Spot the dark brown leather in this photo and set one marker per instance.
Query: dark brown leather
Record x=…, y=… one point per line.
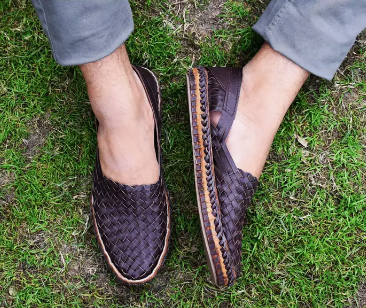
x=133, y=223
x=235, y=187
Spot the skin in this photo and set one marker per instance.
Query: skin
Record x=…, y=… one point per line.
x=270, y=84
x=126, y=124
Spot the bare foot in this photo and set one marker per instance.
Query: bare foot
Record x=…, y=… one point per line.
x=126, y=123
x=270, y=84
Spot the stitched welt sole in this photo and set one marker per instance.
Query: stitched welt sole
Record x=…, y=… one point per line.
x=207, y=199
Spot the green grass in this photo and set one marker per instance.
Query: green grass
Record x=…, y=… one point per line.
x=305, y=245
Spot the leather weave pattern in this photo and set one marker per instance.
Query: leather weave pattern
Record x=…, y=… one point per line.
x=235, y=194
x=235, y=187
x=132, y=222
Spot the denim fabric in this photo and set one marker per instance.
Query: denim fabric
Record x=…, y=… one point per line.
x=83, y=31
x=315, y=34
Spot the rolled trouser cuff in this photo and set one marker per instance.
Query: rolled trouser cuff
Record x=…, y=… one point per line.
x=316, y=35
x=84, y=31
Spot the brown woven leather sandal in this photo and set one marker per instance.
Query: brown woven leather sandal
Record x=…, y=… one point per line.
x=223, y=191
x=133, y=223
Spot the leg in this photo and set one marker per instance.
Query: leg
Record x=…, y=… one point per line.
x=303, y=37
x=131, y=218
x=121, y=106
x=93, y=40
x=247, y=107
x=270, y=84
x=84, y=31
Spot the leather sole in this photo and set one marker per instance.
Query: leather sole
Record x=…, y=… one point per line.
x=207, y=198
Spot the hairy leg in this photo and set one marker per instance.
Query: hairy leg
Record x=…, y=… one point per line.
x=126, y=124
x=270, y=84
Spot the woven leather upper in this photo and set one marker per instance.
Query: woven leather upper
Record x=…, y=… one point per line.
x=133, y=222
x=235, y=187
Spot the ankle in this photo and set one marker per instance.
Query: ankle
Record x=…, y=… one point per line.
x=122, y=107
x=266, y=95
x=271, y=73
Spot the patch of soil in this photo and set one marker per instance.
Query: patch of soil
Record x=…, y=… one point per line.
x=361, y=296
x=195, y=23
x=8, y=198
x=87, y=264
x=205, y=21
x=38, y=131
x=360, y=301
x=6, y=178
x=353, y=56
x=350, y=97
x=37, y=240
x=85, y=268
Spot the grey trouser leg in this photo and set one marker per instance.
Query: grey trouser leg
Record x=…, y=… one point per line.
x=315, y=34
x=82, y=31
